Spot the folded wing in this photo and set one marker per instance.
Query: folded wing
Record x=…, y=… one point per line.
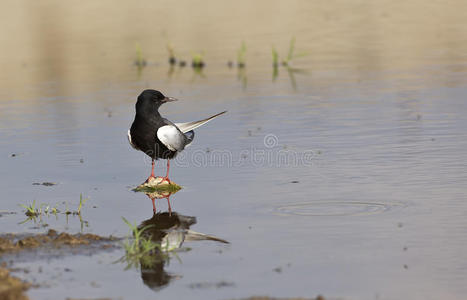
x=172, y=138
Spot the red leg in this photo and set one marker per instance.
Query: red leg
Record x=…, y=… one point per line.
x=152, y=172
x=154, y=205
x=168, y=168
x=170, y=208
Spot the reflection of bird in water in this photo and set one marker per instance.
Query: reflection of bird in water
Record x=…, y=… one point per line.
x=159, y=195
x=171, y=230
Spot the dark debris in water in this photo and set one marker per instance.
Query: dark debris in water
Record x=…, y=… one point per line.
x=277, y=270
x=90, y=298
x=319, y=297
x=3, y=213
x=210, y=285
x=45, y=183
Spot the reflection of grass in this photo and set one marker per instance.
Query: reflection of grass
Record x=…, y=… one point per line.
x=140, y=249
x=241, y=75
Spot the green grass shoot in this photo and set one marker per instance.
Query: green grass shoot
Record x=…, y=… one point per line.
x=140, y=61
x=197, y=60
x=31, y=209
x=275, y=57
x=241, y=53
x=82, y=201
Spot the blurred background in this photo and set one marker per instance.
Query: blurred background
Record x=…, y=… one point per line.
x=374, y=90
x=83, y=45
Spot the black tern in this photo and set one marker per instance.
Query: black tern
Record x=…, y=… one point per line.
x=157, y=136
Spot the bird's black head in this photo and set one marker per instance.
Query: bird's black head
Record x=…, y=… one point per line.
x=150, y=100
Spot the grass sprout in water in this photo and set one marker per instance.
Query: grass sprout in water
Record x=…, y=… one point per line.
x=291, y=55
x=197, y=61
x=241, y=53
x=140, y=250
x=31, y=209
x=33, y=212
x=287, y=63
x=139, y=61
x=82, y=201
x=172, y=58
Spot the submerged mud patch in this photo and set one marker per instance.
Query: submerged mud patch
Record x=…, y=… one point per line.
x=12, y=288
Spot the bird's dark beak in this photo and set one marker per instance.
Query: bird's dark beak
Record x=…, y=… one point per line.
x=169, y=99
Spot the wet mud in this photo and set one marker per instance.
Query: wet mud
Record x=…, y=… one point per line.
x=12, y=288
x=13, y=243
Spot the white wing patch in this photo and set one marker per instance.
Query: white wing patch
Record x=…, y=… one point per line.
x=171, y=137
x=129, y=140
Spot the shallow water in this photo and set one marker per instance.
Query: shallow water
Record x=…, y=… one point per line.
x=347, y=180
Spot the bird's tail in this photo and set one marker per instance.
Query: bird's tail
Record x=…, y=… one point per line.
x=197, y=236
x=185, y=127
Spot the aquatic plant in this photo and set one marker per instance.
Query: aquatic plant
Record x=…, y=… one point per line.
x=49, y=209
x=36, y=214
x=241, y=63
x=31, y=209
x=291, y=54
x=172, y=58
x=287, y=63
x=82, y=201
x=275, y=57
x=67, y=211
x=291, y=51
x=139, y=249
x=140, y=61
x=197, y=61
x=46, y=209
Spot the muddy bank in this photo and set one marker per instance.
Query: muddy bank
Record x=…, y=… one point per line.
x=12, y=288
x=11, y=243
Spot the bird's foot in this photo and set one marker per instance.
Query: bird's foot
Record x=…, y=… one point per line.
x=150, y=178
x=166, y=179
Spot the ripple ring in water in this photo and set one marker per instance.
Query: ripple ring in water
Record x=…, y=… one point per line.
x=333, y=208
